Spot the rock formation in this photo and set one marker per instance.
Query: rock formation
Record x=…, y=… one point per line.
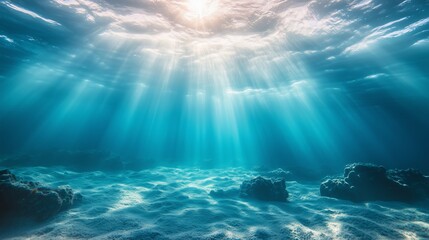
x=31, y=199
x=367, y=182
x=264, y=189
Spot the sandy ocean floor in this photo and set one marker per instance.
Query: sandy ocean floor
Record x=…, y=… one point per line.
x=172, y=203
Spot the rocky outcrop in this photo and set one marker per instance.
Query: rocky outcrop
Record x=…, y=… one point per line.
x=30, y=199
x=264, y=189
x=367, y=182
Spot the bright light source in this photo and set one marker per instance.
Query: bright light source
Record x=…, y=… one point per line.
x=201, y=8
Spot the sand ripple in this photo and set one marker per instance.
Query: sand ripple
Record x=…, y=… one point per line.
x=171, y=203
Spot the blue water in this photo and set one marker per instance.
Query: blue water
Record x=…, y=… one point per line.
x=144, y=107
x=305, y=85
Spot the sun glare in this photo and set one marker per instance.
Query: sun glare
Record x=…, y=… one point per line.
x=201, y=8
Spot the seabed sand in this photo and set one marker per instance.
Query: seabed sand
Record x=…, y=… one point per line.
x=173, y=203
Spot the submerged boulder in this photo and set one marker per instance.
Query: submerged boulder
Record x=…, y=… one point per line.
x=367, y=182
x=31, y=199
x=264, y=189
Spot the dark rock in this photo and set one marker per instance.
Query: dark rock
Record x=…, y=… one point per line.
x=30, y=199
x=264, y=189
x=367, y=182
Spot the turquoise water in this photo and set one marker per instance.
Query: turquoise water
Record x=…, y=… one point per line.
x=154, y=112
x=310, y=85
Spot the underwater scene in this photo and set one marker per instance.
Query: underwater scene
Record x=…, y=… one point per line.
x=214, y=119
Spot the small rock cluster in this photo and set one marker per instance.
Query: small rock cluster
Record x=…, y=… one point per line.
x=367, y=182
x=264, y=189
x=360, y=183
x=30, y=199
